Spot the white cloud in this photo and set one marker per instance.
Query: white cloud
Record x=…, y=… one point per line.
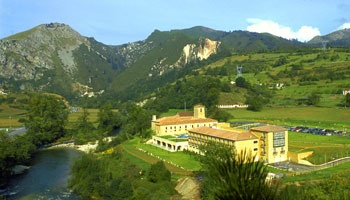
x=305, y=33
x=344, y=26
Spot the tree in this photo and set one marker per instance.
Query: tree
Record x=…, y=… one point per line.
x=83, y=123
x=347, y=100
x=314, y=99
x=222, y=116
x=137, y=119
x=231, y=175
x=240, y=82
x=46, y=119
x=158, y=173
x=107, y=119
x=255, y=102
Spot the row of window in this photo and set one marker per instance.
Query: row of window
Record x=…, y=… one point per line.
x=278, y=139
x=209, y=138
x=275, y=150
x=214, y=138
x=196, y=143
x=187, y=126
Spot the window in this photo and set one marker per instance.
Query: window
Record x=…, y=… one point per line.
x=166, y=128
x=185, y=126
x=255, y=149
x=278, y=139
x=255, y=141
x=171, y=127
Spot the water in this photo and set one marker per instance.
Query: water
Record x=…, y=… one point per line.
x=47, y=178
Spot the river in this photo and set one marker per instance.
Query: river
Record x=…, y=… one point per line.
x=47, y=178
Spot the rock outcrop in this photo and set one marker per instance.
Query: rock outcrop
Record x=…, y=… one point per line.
x=190, y=52
x=202, y=51
x=27, y=55
x=188, y=188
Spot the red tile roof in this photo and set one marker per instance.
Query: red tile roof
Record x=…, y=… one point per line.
x=174, y=120
x=186, y=114
x=225, y=134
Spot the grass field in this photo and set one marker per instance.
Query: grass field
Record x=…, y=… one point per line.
x=342, y=170
x=325, y=148
x=9, y=116
x=73, y=117
x=172, y=112
x=187, y=161
x=333, y=118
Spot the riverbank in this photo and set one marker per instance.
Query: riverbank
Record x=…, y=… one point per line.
x=86, y=148
x=46, y=178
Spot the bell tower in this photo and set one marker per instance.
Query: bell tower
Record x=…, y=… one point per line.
x=199, y=111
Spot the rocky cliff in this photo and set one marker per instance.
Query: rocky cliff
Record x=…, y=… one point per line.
x=27, y=55
x=202, y=51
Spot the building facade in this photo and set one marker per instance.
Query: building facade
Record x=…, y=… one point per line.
x=238, y=139
x=273, y=142
x=181, y=122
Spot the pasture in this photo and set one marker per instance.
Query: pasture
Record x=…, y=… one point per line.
x=318, y=117
x=325, y=148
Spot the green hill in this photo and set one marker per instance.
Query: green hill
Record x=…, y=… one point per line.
x=340, y=38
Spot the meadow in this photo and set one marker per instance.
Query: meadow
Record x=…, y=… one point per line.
x=9, y=116
x=318, y=117
x=341, y=170
x=325, y=148
x=182, y=159
x=73, y=117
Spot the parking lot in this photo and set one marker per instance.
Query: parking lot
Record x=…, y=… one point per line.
x=317, y=131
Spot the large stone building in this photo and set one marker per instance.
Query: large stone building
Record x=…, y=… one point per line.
x=268, y=143
x=238, y=139
x=182, y=122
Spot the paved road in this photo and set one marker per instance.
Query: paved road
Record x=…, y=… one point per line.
x=19, y=131
x=292, y=166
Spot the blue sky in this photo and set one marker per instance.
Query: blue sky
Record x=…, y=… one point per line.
x=122, y=21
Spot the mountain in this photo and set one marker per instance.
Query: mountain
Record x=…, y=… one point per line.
x=55, y=58
x=340, y=38
x=170, y=50
x=243, y=40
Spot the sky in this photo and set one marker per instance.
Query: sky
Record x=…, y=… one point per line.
x=121, y=21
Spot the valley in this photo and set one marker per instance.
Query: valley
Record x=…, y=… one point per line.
x=86, y=91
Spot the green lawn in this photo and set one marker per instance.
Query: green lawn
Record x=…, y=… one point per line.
x=325, y=148
x=137, y=161
x=342, y=170
x=9, y=115
x=185, y=160
x=172, y=112
x=333, y=118
x=167, y=136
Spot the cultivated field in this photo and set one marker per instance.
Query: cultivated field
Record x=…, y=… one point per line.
x=9, y=116
x=331, y=118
